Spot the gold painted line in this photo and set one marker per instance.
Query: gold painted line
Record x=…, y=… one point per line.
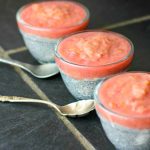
x=83, y=141
x=112, y=26
x=2, y=52
x=127, y=22
x=26, y=78
x=31, y=83
x=86, y=144
x=16, y=50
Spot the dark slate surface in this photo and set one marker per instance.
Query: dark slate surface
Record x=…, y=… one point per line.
x=140, y=36
x=103, y=12
x=90, y=126
x=25, y=127
x=29, y=126
x=35, y=126
x=12, y=84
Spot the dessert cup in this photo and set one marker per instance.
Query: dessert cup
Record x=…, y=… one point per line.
x=81, y=79
x=41, y=41
x=126, y=132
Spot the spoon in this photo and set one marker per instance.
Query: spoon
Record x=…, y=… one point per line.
x=78, y=108
x=39, y=71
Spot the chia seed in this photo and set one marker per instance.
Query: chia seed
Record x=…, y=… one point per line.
x=42, y=49
x=125, y=138
x=80, y=89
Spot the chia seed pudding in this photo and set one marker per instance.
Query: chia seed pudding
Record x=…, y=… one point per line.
x=42, y=49
x=80, y=89
x=43, y=24
x=84, y=59
x=126, y=129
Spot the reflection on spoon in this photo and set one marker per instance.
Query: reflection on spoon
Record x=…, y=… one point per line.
x=78, y=108
x=39, y=71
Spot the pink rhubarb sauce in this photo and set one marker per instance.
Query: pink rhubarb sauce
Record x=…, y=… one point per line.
x=95, y=54
x=57, y=18
x=127, y=94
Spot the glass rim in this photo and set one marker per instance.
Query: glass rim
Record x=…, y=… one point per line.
x=20, y=20
x=131, y=52
x=99, y=103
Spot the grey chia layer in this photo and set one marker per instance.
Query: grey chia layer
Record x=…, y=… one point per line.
x=42, y=49
x=125, y=138
x=80, y=89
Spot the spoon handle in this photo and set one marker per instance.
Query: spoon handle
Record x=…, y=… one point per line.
x=15, y=99
x=16, y=63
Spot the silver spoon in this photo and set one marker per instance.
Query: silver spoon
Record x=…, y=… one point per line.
x=78, y=108
x=39, y=71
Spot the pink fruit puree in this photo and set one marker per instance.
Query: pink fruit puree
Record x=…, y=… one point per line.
x=127, y=94
x=102, y=52
x=63, y=15
x=94, y=48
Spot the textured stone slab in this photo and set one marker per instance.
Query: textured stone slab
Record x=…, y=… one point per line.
x=29, y=126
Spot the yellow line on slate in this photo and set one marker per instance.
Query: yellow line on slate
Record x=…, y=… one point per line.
x=84, y=142
x=16, y=50
x=127, y=22
x=111, y=26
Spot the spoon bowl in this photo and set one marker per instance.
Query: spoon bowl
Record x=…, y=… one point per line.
x=39, y=71
x=44, y=71
x=79, y=108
